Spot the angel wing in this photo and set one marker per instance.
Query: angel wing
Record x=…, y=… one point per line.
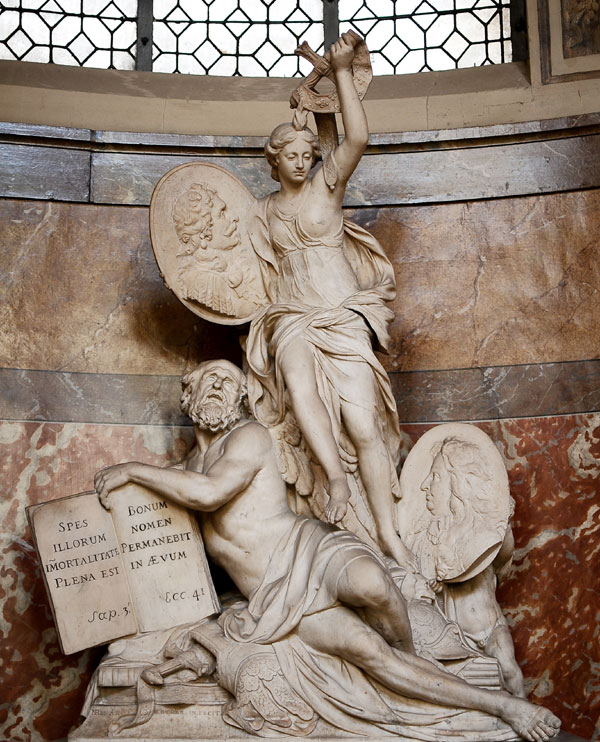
x=307, y=483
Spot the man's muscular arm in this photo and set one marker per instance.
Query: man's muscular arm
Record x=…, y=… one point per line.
x=241, y=460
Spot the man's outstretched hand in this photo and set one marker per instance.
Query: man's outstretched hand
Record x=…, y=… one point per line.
x=109, y=479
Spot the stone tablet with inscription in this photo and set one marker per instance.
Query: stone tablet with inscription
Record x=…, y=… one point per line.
x=139, y=567
x=83, y=571
x=163, y=557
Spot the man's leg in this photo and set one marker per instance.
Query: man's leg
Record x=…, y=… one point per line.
x=500, y=646
x=340, y=632
x=363, y=584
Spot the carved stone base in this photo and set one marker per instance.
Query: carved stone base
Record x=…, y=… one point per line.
x=173, y=723
x=200, y=722
x=185, y=711
x=203, y=723
x=182, y=711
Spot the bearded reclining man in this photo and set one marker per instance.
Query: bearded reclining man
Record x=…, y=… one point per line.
x=300, y=575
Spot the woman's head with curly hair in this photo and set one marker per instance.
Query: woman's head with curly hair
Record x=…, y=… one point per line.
x=283, y=135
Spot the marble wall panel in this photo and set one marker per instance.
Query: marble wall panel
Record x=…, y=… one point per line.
x=489, y=283
x=44, y=172
x=550, y=596
x=452, y=174
x=503, y=282
x=81, y=292
x=421, y=396
x=130, y=178
x=99, y=398
x=474, y=173
x=407, y=168
x=491, y=392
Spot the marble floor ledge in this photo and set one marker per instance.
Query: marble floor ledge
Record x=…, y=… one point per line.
x=469, y=394
x=238, y=737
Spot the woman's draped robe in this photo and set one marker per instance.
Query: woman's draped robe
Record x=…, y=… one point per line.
x=339, y=325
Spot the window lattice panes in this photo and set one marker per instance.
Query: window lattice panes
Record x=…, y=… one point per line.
x=235, y=37
x=419, y=35
x=258, y=37
x=88, y=33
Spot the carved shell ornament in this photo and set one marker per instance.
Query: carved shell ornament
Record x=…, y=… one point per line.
x=199, y=217
x=455, y=502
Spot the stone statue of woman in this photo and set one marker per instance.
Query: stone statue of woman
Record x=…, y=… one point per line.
x=328, y=282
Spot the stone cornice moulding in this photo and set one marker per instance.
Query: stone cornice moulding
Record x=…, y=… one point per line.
x=148, y=142
x=133, y=101
x=112, y=167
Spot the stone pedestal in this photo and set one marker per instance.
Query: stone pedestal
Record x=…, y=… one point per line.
x=172, y=722
x=203, y=723
x=192, y=711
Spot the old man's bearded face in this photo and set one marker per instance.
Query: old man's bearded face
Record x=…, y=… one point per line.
x=212, y=395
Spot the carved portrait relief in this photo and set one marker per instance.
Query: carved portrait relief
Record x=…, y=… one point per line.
x=198, y=223
x=455, y=502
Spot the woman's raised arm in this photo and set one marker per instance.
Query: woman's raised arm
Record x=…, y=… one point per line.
x=356, y=132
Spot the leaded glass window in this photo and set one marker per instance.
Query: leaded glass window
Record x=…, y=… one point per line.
x=258, y=37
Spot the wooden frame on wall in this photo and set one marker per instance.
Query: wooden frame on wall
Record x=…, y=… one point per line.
x=569, y=40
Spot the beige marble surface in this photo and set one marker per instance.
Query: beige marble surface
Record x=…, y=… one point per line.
x=82, y=292
x=499, y=282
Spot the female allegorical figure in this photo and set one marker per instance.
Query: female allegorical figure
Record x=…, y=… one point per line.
x=328, y=281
